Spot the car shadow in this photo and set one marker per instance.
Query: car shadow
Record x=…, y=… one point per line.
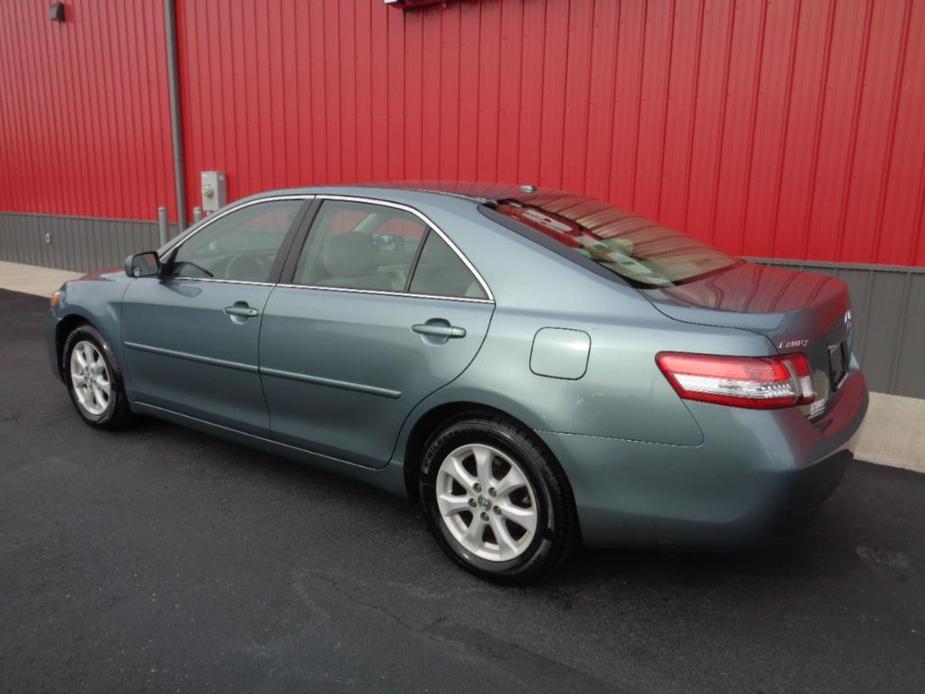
x=827, y=547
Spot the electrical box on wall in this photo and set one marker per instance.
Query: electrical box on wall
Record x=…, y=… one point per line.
x=56, y=12
x=214, y=192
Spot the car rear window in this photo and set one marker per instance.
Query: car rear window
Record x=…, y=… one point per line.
x=637, y=249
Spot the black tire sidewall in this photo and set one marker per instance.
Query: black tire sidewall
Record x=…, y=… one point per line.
x=547, y=542
x=87, y=333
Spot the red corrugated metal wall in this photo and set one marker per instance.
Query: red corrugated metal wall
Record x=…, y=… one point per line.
x=785, y=128
x=84, y=125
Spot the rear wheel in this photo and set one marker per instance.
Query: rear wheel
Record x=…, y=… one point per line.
x=496, y=500
x=94, y=379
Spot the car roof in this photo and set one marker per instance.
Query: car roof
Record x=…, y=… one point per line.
x=477, y=192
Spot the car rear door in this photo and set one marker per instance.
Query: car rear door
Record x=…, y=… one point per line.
x=191, y=336
x=379, y=311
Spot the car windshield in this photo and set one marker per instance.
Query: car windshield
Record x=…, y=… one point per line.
x=637, y=249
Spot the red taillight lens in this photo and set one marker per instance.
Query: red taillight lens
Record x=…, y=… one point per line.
x=755, y=382
x=803, y=373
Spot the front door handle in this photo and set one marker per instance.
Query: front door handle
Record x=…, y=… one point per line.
x=241, y=310
x=439, y=329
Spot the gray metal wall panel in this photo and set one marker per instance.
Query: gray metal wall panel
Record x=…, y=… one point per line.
x=881, y=328
x=77, y=243
x=910, y=378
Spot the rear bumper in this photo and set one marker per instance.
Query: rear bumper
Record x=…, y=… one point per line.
x=754, y=470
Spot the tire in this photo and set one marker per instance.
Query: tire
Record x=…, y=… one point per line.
x=489, y=532
x=95, y=389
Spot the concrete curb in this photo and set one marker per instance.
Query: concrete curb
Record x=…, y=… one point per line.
x=31, y=279
x=893, y=433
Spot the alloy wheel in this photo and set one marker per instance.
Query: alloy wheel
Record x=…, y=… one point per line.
x=486, y=502
x=90, y=378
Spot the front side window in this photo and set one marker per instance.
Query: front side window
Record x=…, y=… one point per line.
x=637, y=249
x=240, y=246
x=354, y=245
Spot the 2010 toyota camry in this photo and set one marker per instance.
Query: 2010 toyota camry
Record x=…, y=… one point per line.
x=535, y=368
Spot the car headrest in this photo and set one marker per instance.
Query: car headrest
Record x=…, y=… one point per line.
x=350, y=254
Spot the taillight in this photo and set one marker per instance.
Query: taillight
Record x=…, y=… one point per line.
x=803, y=372
x=755, y=382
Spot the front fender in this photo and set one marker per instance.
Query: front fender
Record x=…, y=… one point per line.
x=96, y=300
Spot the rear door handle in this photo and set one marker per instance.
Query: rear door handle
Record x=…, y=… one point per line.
x=242, y=310
x=441, y=329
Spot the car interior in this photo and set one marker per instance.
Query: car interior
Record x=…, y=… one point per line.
x=356, y=246
x=351, y=246
x=241, y=247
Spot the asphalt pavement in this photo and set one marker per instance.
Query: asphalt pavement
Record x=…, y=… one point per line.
x=160, y=559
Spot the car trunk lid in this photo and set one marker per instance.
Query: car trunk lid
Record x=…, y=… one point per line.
x=797, y=311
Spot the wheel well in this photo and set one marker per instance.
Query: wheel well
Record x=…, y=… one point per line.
x=65, y=327
x=429, y=423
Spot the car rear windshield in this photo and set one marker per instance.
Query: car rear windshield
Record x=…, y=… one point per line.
x=637, y=249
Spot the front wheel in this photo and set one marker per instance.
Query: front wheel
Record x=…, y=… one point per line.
x=94, y=379
x=496, y=500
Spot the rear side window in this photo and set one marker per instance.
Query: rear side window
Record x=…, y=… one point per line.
x=637, y=249
x=440, y=272
x=355, y=245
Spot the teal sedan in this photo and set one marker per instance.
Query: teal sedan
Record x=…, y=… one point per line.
x=536, y=369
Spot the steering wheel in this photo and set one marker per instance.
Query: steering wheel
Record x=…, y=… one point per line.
x=249, y=267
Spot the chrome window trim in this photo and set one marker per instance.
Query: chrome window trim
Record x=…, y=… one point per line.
x=219, y=280
x=204, y=224
x=430, y=224
x=383, y=292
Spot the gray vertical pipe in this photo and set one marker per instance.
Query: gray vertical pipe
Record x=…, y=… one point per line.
x=173, y=84
x=162, y=225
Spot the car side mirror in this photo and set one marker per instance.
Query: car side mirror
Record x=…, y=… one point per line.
x=145, y=264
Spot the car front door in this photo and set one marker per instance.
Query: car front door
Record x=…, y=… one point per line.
x=380, y=311
x=191, y=336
